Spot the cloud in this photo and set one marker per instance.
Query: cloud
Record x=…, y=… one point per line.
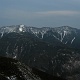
x=22, y=14
x=58, y=13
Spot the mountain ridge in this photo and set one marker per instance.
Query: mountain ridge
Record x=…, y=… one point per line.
x=63, y=34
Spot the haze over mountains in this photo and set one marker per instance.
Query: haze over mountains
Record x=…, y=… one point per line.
x=52, y=50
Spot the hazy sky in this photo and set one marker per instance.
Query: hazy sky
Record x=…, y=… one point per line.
x=40, y=13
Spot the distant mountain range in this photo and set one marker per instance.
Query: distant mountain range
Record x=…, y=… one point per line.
x=52, y=50
x=64, y=34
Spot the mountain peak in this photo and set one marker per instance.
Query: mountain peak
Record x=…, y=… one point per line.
x=65, y=29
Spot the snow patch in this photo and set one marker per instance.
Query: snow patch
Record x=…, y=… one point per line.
x=66, y=42
x=65, y=33
x=38, y=31
x=21, y=28
x=14, y=57
x=72, y=40
x=56, y=37
x=62, y=36
x=42, y=33
x=2, y=34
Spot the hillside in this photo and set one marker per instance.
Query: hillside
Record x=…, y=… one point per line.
x=52, y=50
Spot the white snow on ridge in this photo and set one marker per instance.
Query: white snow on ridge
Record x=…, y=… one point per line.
x=66, y=42
x=2, y=34
x=61, y=31
x=21, y=28
x=72, y=40
x=36, y=31
x=65, y=33
x=42, y=33
x=56, y=38
x=62, y=35
x=21, y=25
x=14, y=57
